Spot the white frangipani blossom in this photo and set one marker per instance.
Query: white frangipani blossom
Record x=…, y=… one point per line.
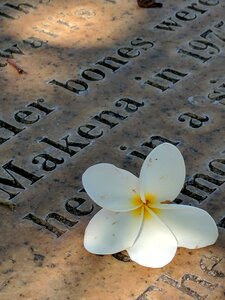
x=138, y=214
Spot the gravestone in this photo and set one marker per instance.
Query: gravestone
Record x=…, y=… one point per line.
x=84, y=82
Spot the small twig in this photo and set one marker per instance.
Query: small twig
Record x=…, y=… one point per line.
x=14, y=65
x=148, y=3
x=7, y=203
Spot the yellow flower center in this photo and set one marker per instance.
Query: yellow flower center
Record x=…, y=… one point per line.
x=149, y=205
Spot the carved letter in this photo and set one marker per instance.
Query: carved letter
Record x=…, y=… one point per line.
x=195, y=120
x=182, y=15
x=9, y=127
x=111, y=124
x=34, y=42
x=85, y=129
x=218, y=94
x=168, y=25
x=40, y=107
x=74, y=206
x=166, y=74
x=96, y=76
x=209, y=264
x=6, y=15
x=8, y=53
x=19, y=7
x=131, y=105
x=147, y=292
x=209, y=2
x=112, y=63
x=222, y=223
x=194, y=55
x=140, y=42
x=45, y=223
x=152, y=143
x=193, y=7
x=157, y=85
x=124, y=52
x=200, y=190
x=213, y=166
x=65, y=148
x=74, y=85
x=14, y=182
x=22, y=117
x=48, y=158
x=157, y=140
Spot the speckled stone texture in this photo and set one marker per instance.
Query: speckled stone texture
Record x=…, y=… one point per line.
x=105, y=81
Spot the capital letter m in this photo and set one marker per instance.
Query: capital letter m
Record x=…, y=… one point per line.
x=13, y=182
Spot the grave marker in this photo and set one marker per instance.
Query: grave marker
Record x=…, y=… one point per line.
x=105, y=81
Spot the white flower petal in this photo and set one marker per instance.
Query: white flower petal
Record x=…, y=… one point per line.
x=155, y=246
x=111, y=232
x=163, y=173
x=110, y=187
x=192, y=226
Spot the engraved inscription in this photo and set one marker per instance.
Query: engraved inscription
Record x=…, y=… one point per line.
x=19, y=48
x=187, y=14
x=11, y=11
x=84, y=134
x=182, y=286
x=213, y=266
x=201, y=185
x=88, y=108
x=165, y=79
x=33, y=113
x=58, y=224
x=205, y=47
x=108, y=63
x=146, y=295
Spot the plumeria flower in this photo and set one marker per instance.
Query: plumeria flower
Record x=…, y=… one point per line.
x=138, y=215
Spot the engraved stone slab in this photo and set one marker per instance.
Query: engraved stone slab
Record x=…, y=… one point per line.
x=84, y=82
